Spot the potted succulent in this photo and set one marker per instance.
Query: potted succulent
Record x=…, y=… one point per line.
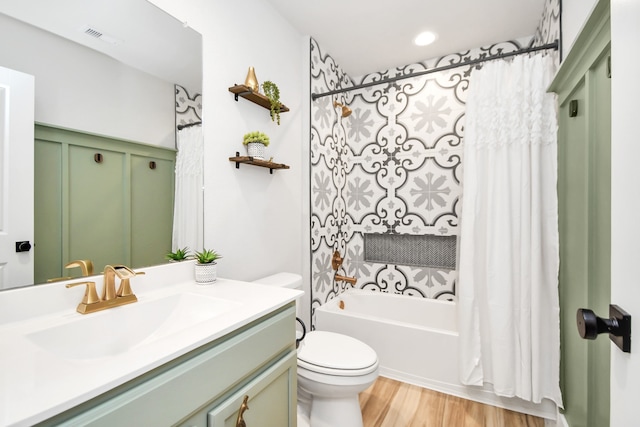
x=272, y=92
x=206, y=266
x=178, y=255
x=256, y=143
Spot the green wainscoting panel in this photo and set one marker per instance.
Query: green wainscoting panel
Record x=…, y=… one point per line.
x=97, y=199
x=584, y=195
x=98, y=228
x=47, y=211
x=152, y=193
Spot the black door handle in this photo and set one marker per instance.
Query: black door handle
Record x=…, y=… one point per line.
x=24, y=246
x=618, y=325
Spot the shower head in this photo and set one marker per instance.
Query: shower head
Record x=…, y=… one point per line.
x=346, y=111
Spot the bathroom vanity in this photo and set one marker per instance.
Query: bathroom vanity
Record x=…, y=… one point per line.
x=184, y=354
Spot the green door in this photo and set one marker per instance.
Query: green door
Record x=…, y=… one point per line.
x=584, y=192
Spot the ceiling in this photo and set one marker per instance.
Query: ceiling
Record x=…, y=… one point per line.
x=363, y=36
x=146, y=37
x=366, y=36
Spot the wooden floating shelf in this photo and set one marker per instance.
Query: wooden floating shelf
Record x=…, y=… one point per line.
x=248, y=160
x=256, y=98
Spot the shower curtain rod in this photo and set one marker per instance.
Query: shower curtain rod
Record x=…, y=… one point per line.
x=553, y=45
x=188, y=125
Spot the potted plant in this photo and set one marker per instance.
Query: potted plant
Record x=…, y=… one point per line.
x=256, y=143
x=272, y=92
x=178, y=255
x=206, y=266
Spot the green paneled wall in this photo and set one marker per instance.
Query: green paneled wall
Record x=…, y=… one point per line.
x=117, y=210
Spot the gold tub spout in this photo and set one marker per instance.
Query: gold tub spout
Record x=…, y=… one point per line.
x=351, y=280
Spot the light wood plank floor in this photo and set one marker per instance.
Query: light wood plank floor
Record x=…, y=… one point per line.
x=389, y=403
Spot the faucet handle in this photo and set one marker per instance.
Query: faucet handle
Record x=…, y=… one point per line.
x=125, y=286
x=90, y=294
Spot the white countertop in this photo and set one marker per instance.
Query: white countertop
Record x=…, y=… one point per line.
x=36, y=384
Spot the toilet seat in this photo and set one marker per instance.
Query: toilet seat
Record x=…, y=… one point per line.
x=336, y=354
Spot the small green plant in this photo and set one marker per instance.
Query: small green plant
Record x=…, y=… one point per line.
x=178, y=255
x=256, y=137
x=207, y=256
x=272, y=92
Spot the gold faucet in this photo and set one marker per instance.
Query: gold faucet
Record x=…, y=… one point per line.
x=351, y=280
x=336, y=263
x=86, y=268
x=110, y=297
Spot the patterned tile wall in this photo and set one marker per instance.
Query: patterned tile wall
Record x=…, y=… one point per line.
x=393, y=166
x=188, y=107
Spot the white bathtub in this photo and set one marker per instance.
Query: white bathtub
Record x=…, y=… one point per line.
x=416, y=340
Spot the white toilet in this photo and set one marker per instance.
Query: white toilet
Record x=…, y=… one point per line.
x=332, y=370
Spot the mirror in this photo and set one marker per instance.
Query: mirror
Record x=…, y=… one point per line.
x=133, y=57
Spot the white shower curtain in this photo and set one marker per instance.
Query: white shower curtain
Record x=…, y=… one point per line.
x=509, y=255
x=188, y=205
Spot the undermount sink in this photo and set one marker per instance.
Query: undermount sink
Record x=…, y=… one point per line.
x=119, y=329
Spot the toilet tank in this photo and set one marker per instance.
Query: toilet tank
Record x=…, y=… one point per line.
x=285, y=280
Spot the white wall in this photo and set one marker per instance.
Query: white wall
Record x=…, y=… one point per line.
x=252, y=218
x=625, y=204
x=574, y=15
x=78, y=88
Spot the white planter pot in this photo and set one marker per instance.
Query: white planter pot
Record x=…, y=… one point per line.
x=206, y=274
x=255, y=150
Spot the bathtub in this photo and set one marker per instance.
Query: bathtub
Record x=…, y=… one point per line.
x=416, y=340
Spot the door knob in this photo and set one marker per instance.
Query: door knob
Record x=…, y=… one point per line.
x=24, y=246
x=618, y=325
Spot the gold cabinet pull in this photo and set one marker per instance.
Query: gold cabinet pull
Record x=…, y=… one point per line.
x=240, y=420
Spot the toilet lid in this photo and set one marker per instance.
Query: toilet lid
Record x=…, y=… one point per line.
x=322, y=351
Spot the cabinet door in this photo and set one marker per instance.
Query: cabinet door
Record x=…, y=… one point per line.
x=271, y=399
x=151, y=209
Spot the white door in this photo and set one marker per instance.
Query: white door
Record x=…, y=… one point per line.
x=16, y=177
x=625, y=205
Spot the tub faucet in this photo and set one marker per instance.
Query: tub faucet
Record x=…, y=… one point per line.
x=351, y=280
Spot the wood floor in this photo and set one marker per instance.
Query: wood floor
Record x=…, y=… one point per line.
x=389, y=403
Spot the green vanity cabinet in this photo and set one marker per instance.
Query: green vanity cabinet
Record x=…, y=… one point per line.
x=268, y=400
x=98, y=198
x=206, y=386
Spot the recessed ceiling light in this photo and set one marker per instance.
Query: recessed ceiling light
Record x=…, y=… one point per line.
x=425, y=38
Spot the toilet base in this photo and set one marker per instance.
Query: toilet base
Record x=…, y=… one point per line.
x=341, y=412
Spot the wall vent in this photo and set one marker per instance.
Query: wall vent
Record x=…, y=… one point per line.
x=97, y=34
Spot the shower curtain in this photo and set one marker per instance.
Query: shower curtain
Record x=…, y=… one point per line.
x=188, y=205
x=509, y=251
